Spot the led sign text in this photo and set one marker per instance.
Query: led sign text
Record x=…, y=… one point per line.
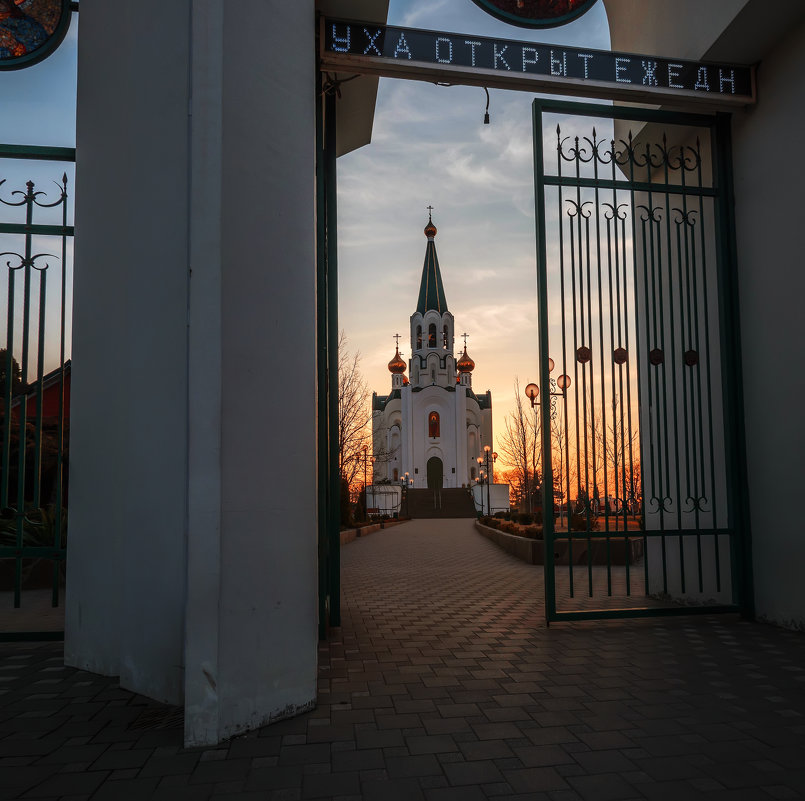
x=401, y=47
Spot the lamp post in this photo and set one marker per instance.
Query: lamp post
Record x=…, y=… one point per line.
x=532, y=392
x=488, y=452
x=365, y=450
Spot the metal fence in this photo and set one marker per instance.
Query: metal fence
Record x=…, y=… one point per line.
x=36, y=255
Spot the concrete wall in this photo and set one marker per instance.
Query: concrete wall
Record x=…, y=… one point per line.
x=769, y=180
x=195, y=296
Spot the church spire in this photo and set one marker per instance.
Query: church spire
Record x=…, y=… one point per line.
x=431, y=289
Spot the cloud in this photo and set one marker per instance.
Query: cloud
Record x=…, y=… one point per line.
x=430, y=147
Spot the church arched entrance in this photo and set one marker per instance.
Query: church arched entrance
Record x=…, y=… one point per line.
x=435, y=473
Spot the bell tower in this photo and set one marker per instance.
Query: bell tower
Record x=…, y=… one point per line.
x=432, y=361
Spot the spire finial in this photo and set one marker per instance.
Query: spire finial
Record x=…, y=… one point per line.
x=430, y=213
x=396, y=339
x=465, y=335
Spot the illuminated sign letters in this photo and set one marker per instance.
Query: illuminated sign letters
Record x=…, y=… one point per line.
x=424, y=55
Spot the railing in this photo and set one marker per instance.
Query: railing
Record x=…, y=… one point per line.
x=36, y=235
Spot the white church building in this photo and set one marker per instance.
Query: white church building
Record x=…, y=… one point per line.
x=431, y=428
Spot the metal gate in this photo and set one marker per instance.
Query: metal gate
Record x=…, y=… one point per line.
x=644, y=502
x=36, y=251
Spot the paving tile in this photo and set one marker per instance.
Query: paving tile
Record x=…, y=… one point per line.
x=220, y=771
x=431, y=744
x=530, y=780
x=413, y=766
x=60, y=784
x=473, y=773
x=327, y=785
x=443, y=683
x=455, y=794
x=392, y=790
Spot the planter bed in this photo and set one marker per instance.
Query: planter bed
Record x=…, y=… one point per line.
x=533, y=551
x=350, y=534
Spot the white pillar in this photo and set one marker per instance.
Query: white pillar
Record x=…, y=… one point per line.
x=192, y=551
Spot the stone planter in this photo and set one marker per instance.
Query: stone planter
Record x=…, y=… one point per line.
x=350, y=534
x=533, y=551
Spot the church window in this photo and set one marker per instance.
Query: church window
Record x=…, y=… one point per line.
x=419, y=337
x=433, y=424
x=396, y=474
x=433, y=374
x=444, y=338
x=432, y=335
x=472, y=473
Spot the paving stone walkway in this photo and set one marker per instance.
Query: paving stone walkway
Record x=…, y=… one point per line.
x=444, y=683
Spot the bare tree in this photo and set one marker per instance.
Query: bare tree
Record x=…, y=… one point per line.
x=519, y=448
x=353, y=414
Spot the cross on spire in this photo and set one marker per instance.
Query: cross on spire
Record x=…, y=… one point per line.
x=397, y=340
x=465, y=335
x=430, y=213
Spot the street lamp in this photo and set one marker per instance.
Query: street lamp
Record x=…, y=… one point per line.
x=532, y=392
x=365, y=450
x=488, y=452
x=563, y=383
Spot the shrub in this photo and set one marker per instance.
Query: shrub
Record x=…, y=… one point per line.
x=532, y=532
x=578, y=522
x=525, y=518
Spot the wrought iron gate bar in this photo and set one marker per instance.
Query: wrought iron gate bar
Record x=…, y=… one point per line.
x=604, y=183
x=641, y=308
x=37, y=230
x=639, y=535
x=37, y=153
x=32, y=515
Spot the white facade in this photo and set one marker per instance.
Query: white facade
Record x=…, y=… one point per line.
x=432, y=427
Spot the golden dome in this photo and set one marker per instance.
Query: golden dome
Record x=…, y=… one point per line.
x=465, y=364
x=430, y=230
x=397, y=365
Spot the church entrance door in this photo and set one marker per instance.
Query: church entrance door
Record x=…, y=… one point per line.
x=435, y=473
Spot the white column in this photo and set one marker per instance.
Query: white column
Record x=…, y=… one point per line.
x=192, y=552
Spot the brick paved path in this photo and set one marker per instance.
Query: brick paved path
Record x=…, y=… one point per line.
x=443, y=683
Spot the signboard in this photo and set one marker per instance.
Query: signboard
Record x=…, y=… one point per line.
x=363, y=48
x=536, y=13
x=30, y=30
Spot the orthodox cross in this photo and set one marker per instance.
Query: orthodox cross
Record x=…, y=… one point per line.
x=430, y=213
x=465, y=335
x=397, y=340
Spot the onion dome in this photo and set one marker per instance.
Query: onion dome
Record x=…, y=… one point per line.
x=465, y=364
x=430, y=229
x=397, y=365
x=405, y=381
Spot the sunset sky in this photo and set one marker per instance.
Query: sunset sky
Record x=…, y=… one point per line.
x=430, y=147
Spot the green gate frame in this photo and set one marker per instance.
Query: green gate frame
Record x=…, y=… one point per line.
x=729, y=330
